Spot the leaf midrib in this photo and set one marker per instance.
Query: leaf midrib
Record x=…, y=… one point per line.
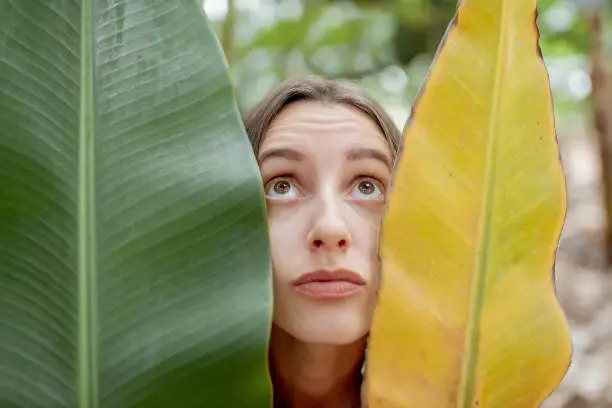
x=87, y=361
x=472, y=340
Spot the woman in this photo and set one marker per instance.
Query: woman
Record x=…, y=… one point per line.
x=326, y=153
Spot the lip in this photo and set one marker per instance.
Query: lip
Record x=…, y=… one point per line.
x=326, y=284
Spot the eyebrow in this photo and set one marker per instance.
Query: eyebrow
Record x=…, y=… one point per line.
x=358, y=153
x=284, y=153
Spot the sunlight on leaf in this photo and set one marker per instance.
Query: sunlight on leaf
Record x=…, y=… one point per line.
x=134, y=264
x=468, y=315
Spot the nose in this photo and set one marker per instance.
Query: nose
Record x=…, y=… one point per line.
x=329, y=230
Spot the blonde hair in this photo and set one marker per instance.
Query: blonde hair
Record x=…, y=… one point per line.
x=313, y=88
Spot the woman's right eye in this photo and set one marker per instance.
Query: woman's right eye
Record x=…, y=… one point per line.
x=281, y=188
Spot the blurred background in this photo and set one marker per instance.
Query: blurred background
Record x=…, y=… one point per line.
x=388, y=46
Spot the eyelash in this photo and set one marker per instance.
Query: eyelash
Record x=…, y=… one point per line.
x=370, y=178
x=279, y=176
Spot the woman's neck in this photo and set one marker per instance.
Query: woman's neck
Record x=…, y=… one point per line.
x=315, y=375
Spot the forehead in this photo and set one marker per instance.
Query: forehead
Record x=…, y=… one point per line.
x=308, y=122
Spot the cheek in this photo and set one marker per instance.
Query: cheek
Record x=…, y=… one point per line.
x=367, y=226
x=284, y=229
x=369, y=248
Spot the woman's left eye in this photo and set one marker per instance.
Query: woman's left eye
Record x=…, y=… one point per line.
x=367, y=189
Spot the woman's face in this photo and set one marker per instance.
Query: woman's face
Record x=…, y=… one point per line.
x=325, y=169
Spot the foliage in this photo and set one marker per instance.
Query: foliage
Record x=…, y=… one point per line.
x=134, y=268
x=361, y=39
x=467, y=315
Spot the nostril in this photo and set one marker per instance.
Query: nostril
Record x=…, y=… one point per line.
x=317, y=243
x=342, y=243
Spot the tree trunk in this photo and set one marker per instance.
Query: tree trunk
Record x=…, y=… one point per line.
x=602, y=117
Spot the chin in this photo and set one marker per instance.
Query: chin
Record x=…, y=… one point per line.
x=326, y=326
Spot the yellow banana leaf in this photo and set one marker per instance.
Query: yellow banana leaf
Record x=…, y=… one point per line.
x=468, y=315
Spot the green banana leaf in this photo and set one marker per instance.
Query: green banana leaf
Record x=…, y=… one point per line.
x=134, y=259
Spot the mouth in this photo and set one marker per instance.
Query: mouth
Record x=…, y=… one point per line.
x=326, y=284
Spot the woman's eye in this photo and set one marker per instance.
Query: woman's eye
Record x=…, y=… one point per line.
x=367, y=189
x=281, y=188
